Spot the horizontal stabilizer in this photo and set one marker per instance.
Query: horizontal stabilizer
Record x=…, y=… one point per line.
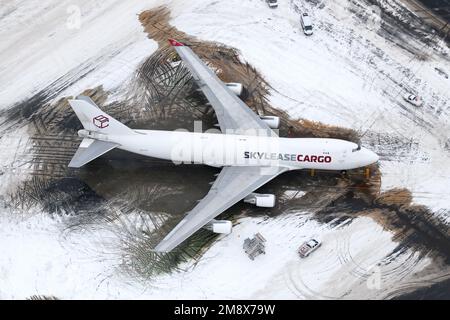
x=89, y=150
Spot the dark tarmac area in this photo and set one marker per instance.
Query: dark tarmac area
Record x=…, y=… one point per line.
x=439, y=7
x=438, y=291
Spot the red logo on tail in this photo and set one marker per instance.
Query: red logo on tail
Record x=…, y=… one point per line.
x=101, y=121
x=175, y=43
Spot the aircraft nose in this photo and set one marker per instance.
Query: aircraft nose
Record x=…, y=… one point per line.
x=371, y=156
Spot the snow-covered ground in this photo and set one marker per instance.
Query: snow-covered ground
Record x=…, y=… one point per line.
x=345, y=74
x=39, y=258
x=336, y=77
x=44, y=40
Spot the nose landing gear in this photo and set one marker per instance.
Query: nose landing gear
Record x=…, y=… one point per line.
x=367, y=173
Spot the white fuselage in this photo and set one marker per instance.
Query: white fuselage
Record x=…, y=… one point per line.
x=240, y=150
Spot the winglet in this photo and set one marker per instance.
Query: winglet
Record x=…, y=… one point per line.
x=175, y=43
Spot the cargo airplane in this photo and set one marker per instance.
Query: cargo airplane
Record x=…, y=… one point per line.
x=247, y=149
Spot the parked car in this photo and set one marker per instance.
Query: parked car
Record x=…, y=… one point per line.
x=306, y=22
x=272, y=3
x=308, y=247
x=413, y=99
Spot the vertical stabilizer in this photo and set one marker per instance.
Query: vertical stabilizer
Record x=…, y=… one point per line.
x=94, y=119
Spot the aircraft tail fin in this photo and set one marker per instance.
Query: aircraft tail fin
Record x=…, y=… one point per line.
x=89, y=150
x=94, y=119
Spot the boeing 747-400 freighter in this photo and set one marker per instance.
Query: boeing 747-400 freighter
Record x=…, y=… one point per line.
x=249, y=152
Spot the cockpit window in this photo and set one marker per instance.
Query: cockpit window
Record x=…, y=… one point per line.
x=357, y=149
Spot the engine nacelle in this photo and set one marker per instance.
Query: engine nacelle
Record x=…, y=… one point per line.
x=219, y=226
x=271, y=121
x=236, y=87
x=261, y=200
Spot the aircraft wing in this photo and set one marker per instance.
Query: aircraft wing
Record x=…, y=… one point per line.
x=231, y=112
x=232, y=185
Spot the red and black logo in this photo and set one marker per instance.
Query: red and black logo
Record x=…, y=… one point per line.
x=101, y=121
x=286, y=157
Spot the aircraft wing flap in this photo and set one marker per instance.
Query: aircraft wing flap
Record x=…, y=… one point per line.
x=232, y=185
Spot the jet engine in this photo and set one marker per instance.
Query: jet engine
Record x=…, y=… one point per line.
x=261, y=200
x=219, y=226
x=271, y=121
x=235, y=87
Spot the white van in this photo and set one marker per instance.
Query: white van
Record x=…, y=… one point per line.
x=305, y=20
